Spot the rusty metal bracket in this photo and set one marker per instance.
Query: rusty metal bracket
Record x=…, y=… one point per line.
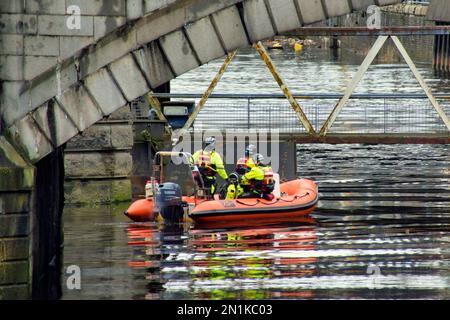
x=156, y=105
x=206, y=95
x=288, y=94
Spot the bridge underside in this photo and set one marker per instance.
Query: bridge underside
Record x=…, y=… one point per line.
x=141, y=56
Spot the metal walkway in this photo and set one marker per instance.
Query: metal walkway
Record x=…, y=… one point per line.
x=368, y=118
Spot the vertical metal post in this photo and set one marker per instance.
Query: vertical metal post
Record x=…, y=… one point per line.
x=446, y=53
x=436, y=39
x=438, y=52
x=421, y=81
x=298, y=110
x=355, y=81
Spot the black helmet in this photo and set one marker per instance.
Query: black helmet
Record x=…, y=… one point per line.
x=209, y=143
x=250, y=150
x=258, y=158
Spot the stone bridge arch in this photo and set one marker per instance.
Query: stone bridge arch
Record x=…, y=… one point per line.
x=146, y=52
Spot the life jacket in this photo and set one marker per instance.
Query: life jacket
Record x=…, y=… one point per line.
x=204, y=164
x=242, y=166
x=268, y=183
x=256, y=182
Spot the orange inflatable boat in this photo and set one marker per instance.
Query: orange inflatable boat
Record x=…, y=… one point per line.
x=298, y=198
x=165, y=200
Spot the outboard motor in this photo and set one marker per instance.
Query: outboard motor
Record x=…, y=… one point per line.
x=169, y=201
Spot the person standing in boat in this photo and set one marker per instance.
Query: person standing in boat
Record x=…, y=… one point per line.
x=209, y=163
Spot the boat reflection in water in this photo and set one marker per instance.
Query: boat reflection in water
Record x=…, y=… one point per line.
x=221, y=263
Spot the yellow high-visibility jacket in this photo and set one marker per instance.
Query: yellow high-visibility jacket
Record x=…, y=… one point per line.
x=255, y=176
x=212, y=161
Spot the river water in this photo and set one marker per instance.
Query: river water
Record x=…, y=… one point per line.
x=381, y=229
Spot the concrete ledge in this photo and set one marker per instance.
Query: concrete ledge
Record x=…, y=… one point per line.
x=14, y=226
x=104, y=135
x=15, y=292
x=92, y=192
x=14, y=249
x=15, y=202
x=13, y=272
x=84, y=165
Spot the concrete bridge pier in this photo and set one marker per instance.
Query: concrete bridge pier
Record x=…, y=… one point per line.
x=47, y=231
x=16, y=188
x=31, y=204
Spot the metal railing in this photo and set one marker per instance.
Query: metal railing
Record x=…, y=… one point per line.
x=364, y=113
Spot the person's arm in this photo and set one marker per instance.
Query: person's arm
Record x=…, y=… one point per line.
x=250, y=175
x=251, y=163
x=220, y=168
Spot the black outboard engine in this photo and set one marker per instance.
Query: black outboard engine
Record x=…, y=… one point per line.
x=169, y=201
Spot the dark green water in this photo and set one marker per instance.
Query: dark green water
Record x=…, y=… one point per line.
x=382, y=207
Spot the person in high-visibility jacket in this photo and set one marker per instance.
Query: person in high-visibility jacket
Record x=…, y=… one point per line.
x=245, y=165
x=251, y=182
x=260, y=179
x=209, y=163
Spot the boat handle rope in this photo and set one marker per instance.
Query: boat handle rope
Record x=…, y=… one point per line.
x=295, y=198
x=247, y=204
x=271, y=203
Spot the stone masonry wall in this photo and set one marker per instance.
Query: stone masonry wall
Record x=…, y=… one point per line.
x=98, y=164
x=34, y=36
x=34, y=33
x=16, y=187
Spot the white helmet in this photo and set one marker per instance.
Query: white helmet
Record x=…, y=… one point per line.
x=250, y=150
x=209, y=143
x=258, y=158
